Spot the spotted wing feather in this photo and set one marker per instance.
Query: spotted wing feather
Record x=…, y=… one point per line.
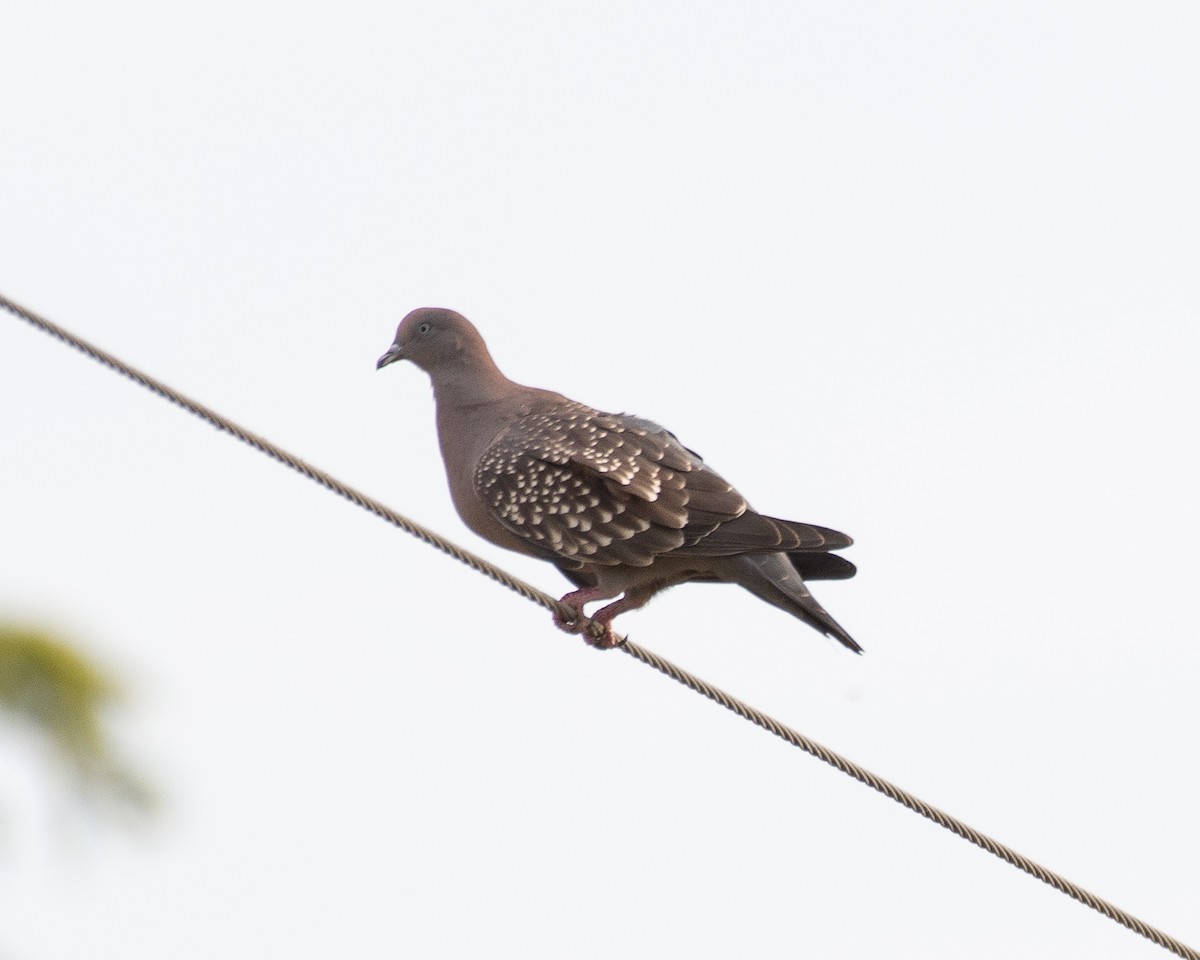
x=597, y=488
x=611, y=489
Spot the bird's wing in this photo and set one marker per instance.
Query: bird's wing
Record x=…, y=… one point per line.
x=612, y=489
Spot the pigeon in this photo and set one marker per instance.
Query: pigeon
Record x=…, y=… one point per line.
x=615, y=501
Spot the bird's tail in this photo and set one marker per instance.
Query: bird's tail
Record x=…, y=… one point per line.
x=771, y=577
x=822, y=566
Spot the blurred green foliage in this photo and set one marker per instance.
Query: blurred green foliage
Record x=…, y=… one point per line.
x=47, y=684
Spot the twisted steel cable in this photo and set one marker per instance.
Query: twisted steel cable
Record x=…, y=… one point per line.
x=647, y=657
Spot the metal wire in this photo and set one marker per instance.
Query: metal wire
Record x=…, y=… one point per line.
x=664, y=666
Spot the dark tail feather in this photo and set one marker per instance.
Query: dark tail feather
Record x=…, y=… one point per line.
x=822, y=566
x=774, y=579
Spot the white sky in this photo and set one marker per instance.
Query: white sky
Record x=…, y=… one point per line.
x=923, y=272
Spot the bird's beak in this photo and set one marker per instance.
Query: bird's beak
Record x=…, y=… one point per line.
x=394, y=353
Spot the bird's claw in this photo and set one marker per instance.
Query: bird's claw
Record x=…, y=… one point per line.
x=595, y=633
x=574, y=625
x=602, y=638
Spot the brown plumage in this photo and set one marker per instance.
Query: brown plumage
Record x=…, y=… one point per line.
x=615, y=501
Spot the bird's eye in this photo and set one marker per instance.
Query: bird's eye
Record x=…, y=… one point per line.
x=424, y=328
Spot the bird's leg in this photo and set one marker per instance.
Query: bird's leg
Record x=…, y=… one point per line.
x=576, y=600
x=604, y=616
x=633, y=598
x=604, y=638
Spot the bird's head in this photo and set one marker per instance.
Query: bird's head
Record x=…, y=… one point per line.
x=432, y=338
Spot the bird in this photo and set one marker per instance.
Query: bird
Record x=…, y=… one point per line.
x=614, y=501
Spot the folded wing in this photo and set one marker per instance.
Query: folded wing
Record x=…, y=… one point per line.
x=610, y=489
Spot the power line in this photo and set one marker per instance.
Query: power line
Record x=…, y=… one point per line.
x=664, y=666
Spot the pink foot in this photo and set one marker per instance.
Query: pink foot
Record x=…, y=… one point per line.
x=576, y=600
x=604, y=641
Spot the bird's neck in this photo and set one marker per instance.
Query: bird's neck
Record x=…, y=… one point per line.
x=468, y=399
x=459, y=387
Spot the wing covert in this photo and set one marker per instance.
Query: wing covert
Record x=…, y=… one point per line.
x=601, y=488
